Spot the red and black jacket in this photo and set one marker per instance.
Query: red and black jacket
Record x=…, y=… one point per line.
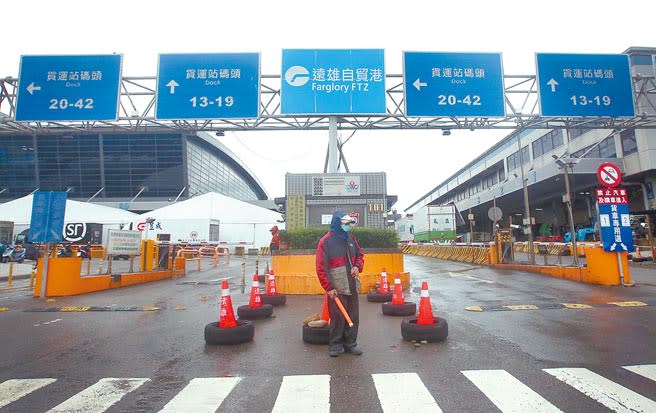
x=331, y=253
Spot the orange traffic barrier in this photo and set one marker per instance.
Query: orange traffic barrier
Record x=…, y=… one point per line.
x=397, y=296
x=425, y=309
x=383, y=288
x=256, y=298
x=343, y=311
x=227, y=314
x=325, y=313
x=271, y=285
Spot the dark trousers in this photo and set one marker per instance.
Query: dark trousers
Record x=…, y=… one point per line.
x=341, y=335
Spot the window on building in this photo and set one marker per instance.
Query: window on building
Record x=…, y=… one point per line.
x=629, y=144
x=605, y=149
x=547, y=142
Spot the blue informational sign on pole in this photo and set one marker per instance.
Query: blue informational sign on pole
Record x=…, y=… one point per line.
x=208, y=86
x=453, y=84
x=333, y=82
x=68, y=88
x=47, y=223
x=614, y=219
x=584, y=85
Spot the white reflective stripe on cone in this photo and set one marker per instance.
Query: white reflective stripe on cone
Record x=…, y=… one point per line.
x=225, y=292
x=424, y=293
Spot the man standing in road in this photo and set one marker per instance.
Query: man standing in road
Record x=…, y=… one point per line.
x=339, y=262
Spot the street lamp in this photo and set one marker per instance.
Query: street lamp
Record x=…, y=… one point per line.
x=527, y=207
x=568, y=201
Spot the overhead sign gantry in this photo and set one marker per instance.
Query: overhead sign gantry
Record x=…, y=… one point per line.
x=348, y=88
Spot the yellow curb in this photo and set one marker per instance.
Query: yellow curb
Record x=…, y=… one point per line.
x=51, y=300
x=473, y=308
x=73, y=309
x=180, y=307
x=629, y=303
x=4, y=309
x=203, y=298
x=576, y=306
x=522, y=307
x=150, y=308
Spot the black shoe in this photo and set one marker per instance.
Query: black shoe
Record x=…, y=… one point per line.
x=354, y=350
x=335, y=352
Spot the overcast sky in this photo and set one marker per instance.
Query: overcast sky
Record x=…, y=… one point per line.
x=415, y=161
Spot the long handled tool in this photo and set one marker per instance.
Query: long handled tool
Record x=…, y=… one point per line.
x=343, y=310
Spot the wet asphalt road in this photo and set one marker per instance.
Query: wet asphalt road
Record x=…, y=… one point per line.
x=167, y=347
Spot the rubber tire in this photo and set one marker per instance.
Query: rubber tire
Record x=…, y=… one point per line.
x=244, y=332
x=405, y=309
x=278, y=299
x=247, y=313
x=431, y=333
x=376, y=297
x=316, y=335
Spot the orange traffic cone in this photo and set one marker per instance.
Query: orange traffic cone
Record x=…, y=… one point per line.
x=397, y=296
x=384, y=285
x=271, y=285
x=325, y=313
x=425, y=309
x=227, y=314
x=256, y=298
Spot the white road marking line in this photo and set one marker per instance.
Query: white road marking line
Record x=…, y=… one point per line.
x=12, y=390
x=99, y=397
x=645, y=370
x=509, y=394
x=479, y=279
x=202, y=395
x=404, y=392
x=307, y=393
x=610, y=394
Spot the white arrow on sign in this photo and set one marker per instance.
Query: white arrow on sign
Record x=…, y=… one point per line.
x=552, y=82
x=418, y=84
x=32, y=87
x=172, y=84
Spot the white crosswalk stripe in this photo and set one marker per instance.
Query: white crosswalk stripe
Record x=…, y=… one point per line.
x=202, y=395
x=99, y=397
x=12, y=390
x=610, y=394
x=646, y=370
x=397, y=392
x=507, y=393
x=304, y=394
x=404, y=392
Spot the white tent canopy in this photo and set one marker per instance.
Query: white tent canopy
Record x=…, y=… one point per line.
x=214, y=217
x=20, y=212
x=218, y=207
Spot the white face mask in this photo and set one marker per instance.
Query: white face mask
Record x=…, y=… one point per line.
x=346, y=227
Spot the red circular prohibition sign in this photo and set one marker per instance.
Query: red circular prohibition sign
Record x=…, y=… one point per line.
x=609, y=174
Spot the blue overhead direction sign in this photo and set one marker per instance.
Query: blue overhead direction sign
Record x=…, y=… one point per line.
x=333, y=82
x=68, y=88
x=47, y=221
x=453, y=84
x=584, y=85
x=208, y=86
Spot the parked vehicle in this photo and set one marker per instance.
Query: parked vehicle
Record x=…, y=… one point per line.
x=64, y=251
x=13, y=253
x=85, y=252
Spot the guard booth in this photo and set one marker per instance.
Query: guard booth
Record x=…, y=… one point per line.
x=505, y=246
